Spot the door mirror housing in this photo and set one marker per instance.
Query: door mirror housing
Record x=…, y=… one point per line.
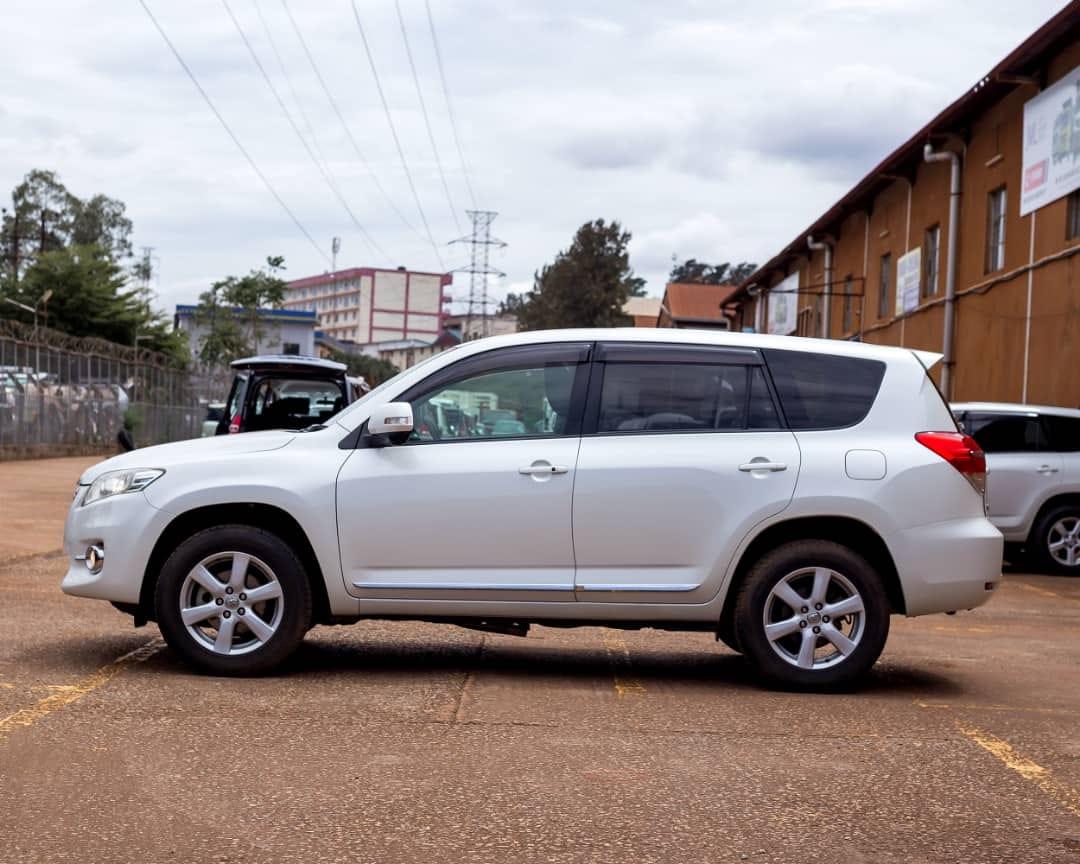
x=391, y=418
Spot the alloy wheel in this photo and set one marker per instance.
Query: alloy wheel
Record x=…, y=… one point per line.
x=814, y=618
x=1063, y=541
x=231, y=603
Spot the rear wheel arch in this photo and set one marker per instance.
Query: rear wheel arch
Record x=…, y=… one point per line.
x=264, y=516
x=844, y=530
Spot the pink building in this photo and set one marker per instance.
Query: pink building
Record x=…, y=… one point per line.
x=370, y=304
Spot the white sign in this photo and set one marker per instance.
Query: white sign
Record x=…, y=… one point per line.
x=783, y=305
x=908, y=270
x=1051, y=144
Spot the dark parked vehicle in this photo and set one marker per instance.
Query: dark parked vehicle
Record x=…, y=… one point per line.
x=285, y=391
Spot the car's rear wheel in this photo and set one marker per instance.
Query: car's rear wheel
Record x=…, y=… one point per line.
x=812, y=614
x=1055, y=541
x=233, y=600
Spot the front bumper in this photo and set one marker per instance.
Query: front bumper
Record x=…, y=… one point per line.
x=126, y=527
x=947, y=566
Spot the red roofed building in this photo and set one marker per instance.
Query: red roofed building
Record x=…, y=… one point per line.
x=698, y=306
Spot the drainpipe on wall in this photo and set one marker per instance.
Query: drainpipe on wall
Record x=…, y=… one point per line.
x=930, y=155
x=827, y=244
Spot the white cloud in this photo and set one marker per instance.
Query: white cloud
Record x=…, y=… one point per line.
x=712, y=129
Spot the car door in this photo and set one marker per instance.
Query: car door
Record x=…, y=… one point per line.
x=1022, y=472
x=468, y=509
x=683, y=453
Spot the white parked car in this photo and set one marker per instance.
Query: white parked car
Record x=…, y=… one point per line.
x=1033, y=496
x=787, y=494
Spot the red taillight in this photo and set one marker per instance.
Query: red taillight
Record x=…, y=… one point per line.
x=961, y=451
x=234, y=425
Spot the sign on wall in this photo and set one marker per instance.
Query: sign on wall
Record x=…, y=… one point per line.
x=784, y=305
x=908, y=270
x=1051, y=144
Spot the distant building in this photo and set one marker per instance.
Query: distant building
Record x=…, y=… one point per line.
x=284, y=331
x=697, y=306
x=643, y=310
x=496, y=325
x=368, y=304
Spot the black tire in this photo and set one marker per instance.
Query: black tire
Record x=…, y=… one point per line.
x=1038, y=546
x=753, y=598
x=291, y=621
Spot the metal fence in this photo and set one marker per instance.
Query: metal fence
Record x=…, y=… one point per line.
x=57, y=389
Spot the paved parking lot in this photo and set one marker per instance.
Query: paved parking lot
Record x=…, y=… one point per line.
x=403, y=742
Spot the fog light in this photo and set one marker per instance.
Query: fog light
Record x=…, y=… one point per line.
x=94, y=559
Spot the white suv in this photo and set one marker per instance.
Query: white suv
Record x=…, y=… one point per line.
x=1033, y=454
x=786, y=494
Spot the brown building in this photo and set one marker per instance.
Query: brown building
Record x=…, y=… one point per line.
x=697, y=305
x=643, y=310
x=885, y=265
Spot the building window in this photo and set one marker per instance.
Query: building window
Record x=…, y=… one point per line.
x=883, y=286
x=931, y=243
x=847, y=322
x=1072, y=218
x=290, y=348
x=995, y=230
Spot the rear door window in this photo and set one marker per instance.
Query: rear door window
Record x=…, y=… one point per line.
x=672, y=396
x=824, y=391
x=1006, y=433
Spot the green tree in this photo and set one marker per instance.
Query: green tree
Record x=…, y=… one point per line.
x=229, y=312
x=374, y=370
x=90, y=297
x=586, y=285
x=692, y=270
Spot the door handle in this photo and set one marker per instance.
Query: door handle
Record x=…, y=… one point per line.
x=1046, y=469
x=763, y=466
x=542, y=470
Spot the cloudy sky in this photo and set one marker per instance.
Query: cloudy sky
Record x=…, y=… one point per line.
x=713, y=129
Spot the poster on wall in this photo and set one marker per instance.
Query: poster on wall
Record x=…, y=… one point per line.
x=784, y=305
x=1051, y=144
x=908, y=270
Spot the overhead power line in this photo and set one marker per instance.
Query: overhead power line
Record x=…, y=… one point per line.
x=397, y=141
x=232, y=135
x=449, y=104
x=341, y=119
x=308, y=128
x=288, y=116
x=427, y=120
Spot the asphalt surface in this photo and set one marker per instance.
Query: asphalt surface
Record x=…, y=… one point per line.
x=398, y=742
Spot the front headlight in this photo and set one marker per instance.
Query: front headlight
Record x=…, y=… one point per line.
x=117, y=482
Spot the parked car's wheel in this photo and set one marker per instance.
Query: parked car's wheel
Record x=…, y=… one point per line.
x=1055, y=540
x=233, y=600
x=812, y=614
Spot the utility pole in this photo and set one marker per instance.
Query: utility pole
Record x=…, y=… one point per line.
x=479, y=269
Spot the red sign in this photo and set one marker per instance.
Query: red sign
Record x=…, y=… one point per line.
x=1035, y=176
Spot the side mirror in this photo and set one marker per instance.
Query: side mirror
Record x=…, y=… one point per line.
x=391, y=418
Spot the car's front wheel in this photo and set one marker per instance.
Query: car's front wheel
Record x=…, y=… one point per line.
x=233, y=600
x=812, y=614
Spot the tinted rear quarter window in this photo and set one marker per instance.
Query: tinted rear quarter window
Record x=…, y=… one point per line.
x=824, y=391
x=1063, y=432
